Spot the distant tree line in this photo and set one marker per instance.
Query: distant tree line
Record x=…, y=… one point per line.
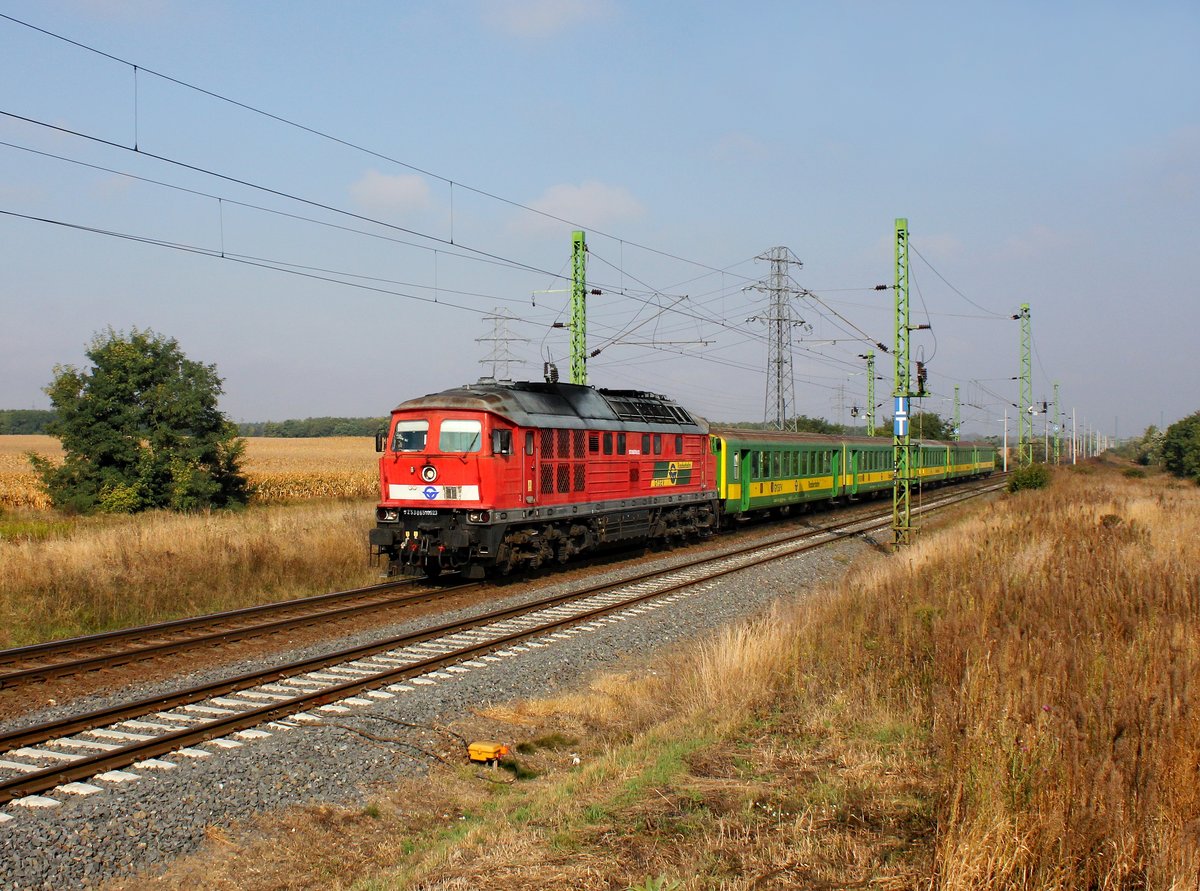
x=802, y=423
x=312, y=427
x=29, y=421
x=24, y=421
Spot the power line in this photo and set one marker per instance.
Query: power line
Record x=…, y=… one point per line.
x=345, y=143
x=480, y=254
x=954, y=289
x=259, y=262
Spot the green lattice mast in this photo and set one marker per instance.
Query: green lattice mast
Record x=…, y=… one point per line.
x=957, y=418
x=901, y=442
x=1025, y=403
x=578, y=309
x=870, y=357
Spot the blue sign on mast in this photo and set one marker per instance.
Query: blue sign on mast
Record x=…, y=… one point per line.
x=900, y=416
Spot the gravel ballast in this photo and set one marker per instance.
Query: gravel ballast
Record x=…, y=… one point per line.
x=144, y=823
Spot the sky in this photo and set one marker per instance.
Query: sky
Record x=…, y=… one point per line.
x=332, y=203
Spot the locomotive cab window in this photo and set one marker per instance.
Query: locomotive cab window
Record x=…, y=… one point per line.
x=501, y=442
x=528, y=442
x=410, y=436
x=460, y=436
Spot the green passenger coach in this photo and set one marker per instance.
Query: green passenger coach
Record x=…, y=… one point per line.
x=760, y=470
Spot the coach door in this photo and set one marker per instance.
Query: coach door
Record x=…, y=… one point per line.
x=746, y=474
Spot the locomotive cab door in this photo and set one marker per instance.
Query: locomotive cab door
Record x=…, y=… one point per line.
x=529, y=467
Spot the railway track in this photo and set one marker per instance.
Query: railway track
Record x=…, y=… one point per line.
x=40, y=662
x=20, y=666
x=59, y=754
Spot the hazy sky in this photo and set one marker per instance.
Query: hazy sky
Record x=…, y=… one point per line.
x=1046, y=153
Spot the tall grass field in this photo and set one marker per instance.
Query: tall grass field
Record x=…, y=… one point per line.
x=305, y=532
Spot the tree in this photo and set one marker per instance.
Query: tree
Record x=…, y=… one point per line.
x=141, y=429
x=1147, y=450
x=1181, y=448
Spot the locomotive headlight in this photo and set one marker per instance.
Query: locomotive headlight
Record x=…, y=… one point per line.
x=478, y=516
x=387, y=514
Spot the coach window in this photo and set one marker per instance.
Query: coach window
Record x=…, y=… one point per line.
x=608, y=443
x=460, y=436
x=620, y=443
x=658, y=443
x=410, y=436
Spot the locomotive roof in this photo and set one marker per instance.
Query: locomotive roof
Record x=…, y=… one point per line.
x=543, y=404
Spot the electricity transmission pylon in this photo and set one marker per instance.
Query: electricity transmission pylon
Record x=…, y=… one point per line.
x=780, y=404
x=501, y=356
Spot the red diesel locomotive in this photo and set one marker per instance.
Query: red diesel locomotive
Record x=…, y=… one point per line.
x=509, y=475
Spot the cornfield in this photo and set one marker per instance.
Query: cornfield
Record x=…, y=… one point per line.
x=279, y=470
x=18, y=483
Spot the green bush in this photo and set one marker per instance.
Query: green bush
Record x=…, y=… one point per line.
x=1181, y=448
x=140, y=429
x=1034, y=476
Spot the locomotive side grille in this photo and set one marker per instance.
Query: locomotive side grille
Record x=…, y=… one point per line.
x=564, y=443
x=579, y=477
x=547, y=444
x=564, y=477
x=578, y=440
x=547, y=479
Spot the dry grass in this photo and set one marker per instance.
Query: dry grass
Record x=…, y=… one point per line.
x=60, y=579
x=1012, y=703
x=279, y=470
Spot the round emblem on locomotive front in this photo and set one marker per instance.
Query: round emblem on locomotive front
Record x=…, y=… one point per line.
x=429, y=473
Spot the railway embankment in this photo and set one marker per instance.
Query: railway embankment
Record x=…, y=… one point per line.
x=1010, y=703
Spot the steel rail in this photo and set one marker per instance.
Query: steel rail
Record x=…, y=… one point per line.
x=12, y=679
x=52, y=647
x=50, y=777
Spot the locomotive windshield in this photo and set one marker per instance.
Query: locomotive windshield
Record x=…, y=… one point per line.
x=410, y=436
x=460, y=436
